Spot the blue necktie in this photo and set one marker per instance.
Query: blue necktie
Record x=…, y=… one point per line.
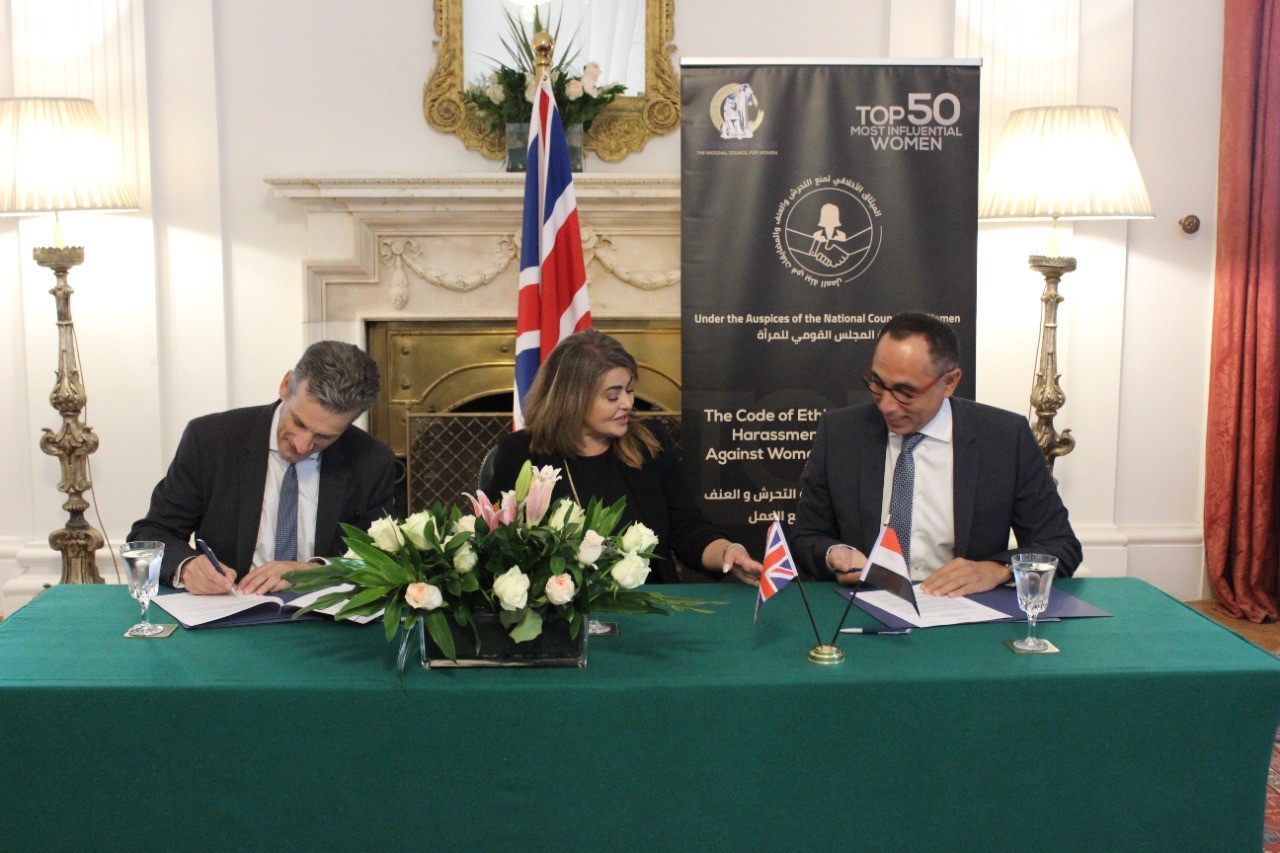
x=904, y=489
x=287, y=517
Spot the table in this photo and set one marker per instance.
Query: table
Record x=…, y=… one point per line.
x=1151, y=729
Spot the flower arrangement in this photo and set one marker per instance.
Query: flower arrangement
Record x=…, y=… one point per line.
x=505, y=95
x=521, y=558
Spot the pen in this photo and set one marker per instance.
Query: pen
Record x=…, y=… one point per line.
x=209, y=555
x=875, y=630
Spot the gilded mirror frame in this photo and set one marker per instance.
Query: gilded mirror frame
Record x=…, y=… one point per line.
x=624, y=126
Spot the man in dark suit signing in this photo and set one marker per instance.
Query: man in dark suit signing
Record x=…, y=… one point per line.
x=958, y=475
x=266, y=487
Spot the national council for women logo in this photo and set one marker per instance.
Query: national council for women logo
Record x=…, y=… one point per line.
x=735, y=111
x=826, y=230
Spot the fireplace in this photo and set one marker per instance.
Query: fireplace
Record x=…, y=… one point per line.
x=422, y=271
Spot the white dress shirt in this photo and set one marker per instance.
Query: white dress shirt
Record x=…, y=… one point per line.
x=308, y=471
x=933, y=528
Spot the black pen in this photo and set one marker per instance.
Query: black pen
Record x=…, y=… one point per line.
x=208, y=553
x=875, y=630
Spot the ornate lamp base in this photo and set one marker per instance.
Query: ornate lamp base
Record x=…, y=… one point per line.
x=73, y=443
x=1046, y=394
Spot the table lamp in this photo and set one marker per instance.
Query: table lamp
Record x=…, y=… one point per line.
x=55, y=155
x=1060, y=163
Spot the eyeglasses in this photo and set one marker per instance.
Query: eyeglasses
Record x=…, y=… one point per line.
x=904, y=394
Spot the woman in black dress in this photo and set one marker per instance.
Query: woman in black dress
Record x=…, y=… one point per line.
x=578, y=419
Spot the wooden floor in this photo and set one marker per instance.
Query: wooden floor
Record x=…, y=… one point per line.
x=1267, y=636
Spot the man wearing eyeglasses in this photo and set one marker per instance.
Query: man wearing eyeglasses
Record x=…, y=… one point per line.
x=971, y=474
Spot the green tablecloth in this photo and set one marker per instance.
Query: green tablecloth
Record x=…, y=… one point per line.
x=1151, y=730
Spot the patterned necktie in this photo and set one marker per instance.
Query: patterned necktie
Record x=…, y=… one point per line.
x=904, y=488
x=287, y=517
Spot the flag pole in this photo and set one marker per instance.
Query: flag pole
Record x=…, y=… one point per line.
x=543, y=46
x=847, y=608
x=856, y=584
x=812, y=621
x=824, y=654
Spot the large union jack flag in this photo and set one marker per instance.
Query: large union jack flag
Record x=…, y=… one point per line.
x=552, y=300
x=779, y=568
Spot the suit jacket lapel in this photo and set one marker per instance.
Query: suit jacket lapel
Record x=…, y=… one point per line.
x=253, y=479
x=333, y=485
x=872, y=485
x=965, y=463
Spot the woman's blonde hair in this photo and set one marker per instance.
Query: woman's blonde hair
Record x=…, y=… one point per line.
x=563, y=390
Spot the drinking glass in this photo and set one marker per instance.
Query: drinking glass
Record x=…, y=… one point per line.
x=142, y=568
x=1033, y=574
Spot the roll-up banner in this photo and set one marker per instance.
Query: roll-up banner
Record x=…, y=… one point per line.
x=817, y=201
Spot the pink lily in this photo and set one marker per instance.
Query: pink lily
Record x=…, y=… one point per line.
x=484, y=509
x=507, y=509
x=539, y=499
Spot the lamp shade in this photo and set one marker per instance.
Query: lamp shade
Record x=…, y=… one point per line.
x=1064, y=163
x=55, y=155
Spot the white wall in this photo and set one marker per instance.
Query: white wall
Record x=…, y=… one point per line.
x=204, y=311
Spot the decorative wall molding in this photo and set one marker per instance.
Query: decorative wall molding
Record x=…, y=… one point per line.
x=447, y=246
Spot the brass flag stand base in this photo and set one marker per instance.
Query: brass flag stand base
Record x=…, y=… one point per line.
x=824, y=654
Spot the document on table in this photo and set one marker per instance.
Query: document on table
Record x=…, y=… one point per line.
x=218, y=611
x=935, y=610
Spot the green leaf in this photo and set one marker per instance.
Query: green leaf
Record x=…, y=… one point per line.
x=368, y=596
x=391, y=619
x=321, y=603
x=309, y=580
x=438, y=627
x=529, y=628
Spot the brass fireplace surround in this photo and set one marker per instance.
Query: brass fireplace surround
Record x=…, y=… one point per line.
x=446, y=393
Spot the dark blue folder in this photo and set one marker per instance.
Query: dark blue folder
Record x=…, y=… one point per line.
x=1062, y=605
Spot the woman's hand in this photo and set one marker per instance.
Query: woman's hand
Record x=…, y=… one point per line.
x=732, y=557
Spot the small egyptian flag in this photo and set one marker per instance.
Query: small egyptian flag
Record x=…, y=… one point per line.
x=886, y=568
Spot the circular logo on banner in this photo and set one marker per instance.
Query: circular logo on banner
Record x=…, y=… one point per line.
x=732, y=109
x=827, y=231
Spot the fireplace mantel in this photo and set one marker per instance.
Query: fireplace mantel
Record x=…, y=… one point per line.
x=447, y=247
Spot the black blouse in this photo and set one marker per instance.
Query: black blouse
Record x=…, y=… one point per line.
x=658, y=496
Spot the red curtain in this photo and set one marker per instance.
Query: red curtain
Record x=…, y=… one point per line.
x=1241, y=501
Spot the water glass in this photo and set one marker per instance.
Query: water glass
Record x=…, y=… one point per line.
x=1033, y=574
x=142, y=569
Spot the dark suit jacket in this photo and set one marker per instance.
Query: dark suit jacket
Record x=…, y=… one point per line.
x=213, y=489
x=658, y=496
x=1000, y=483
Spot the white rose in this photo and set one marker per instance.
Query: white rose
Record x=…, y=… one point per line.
x=423, y=596
x=573, y=90
x=630, y=571
x=638, y=538
x=560, y=589
x=464, y=559
x=566, y=512
x=465, y=523
x=512, y=589
x=415, y=527
x=495, y=93
x=589, y=550
x=386, y=535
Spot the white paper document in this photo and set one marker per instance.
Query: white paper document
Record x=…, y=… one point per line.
x=194, y=611
x=935, y=610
